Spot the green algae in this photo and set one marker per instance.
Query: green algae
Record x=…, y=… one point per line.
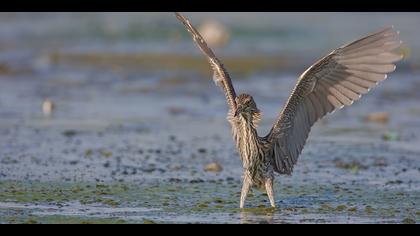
x=57, y=219
x=369, y=209
x=352, y=209
x=408, y=221
x=147, y=221
x=212, y=198
x=341, y=208
x=106, y=154
x=391, y=136
x=54, y=192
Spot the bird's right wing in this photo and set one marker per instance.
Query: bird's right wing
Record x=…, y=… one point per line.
x=336, y=80
x=220, y=76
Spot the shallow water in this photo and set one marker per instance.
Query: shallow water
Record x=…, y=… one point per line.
x=137, y=118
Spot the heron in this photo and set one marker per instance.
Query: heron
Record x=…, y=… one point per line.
x=333, y=82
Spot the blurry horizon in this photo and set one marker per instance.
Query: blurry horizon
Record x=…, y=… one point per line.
x=302, y=37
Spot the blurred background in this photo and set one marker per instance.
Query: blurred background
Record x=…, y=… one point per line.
x=146, y=53
x=129, y=97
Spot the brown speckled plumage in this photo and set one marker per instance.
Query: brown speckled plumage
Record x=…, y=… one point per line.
x=335, y=81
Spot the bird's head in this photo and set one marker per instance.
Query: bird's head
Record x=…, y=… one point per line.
x=246, y=107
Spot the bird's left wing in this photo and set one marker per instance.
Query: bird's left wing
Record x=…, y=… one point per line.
x=333, y=82
x=220, y=76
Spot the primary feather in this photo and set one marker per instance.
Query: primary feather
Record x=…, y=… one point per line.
x=335, y=81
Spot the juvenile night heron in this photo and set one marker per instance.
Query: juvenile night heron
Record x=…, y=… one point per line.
x=335, y=81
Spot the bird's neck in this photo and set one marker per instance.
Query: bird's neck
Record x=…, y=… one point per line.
x=247, y=141
x=248, y=129
x=248, y=125
x=244, y=131
x=251, y=121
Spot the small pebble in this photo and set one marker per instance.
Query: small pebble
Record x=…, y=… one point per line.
x=48, y=107
x=194, y=181
x=382, y=117
x=213, y=167
x=202, y=150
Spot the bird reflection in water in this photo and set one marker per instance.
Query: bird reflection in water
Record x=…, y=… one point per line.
x=257, y=216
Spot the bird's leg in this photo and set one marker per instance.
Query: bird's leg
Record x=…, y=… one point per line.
x=269, y=189
x=245, y=189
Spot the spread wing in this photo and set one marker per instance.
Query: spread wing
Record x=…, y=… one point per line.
x=220, y=76
x=335, y=81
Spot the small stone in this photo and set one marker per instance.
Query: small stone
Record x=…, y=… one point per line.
x=73, y=162
x=176, y=110
x=202, y=150
x=213, y=167
x=175, y=167
x=69, y=133
x=48, y=107
x=148, y=169
x=382, y=117
x=195, y=181
x=394, y=182
x=107, y=164
x=175, y=180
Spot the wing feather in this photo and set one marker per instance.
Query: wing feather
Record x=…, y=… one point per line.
x=220, y=76
x=335, y=81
